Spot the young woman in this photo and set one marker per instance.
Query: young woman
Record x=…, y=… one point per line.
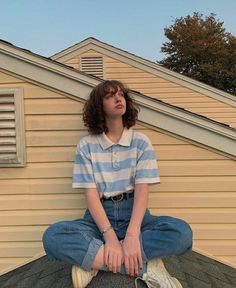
x=115, y=165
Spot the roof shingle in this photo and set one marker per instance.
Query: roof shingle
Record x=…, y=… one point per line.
x=193, y=270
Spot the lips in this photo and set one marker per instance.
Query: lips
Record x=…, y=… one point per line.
x=120, y=106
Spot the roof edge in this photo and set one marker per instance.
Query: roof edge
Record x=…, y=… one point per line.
x=146, y=65
x=188, y=125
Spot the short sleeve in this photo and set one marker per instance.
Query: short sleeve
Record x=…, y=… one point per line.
x=83, y=171
x=146, y=170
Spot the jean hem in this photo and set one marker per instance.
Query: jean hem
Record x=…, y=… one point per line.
x=91, y=253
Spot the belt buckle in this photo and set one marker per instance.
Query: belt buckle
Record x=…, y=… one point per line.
x=118, y=200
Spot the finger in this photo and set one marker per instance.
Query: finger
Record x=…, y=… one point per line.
x=114, y=264
x=131, y=266
x=110, y=263
x=110, y=266
x=136, y=266
x=106, y=257
x=126, y=262
x=140, y=261
x=119, y=261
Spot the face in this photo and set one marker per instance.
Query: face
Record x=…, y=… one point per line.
x=114, y=104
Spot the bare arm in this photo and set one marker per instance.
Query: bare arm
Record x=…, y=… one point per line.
x=131, y=246
x=96, y=209
x=139, y=208
x=113, y=255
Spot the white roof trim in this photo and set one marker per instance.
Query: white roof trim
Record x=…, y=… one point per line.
x=156, y=113
x=145, y=65
x=180, y=122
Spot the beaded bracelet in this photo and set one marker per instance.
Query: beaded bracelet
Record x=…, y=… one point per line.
x=106, y=229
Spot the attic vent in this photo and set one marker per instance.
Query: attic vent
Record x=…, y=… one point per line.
x=11, y=128
x=92, y=65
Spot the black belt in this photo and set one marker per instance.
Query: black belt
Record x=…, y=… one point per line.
x=120, y=197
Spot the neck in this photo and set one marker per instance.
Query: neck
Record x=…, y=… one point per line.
x=115, y=129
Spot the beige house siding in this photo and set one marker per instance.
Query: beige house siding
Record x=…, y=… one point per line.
x=196, y=184
x=40, y=193
x=162, y=89
x=75, y=62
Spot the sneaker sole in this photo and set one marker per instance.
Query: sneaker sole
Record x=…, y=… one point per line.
x=74, y=278
x=77, y=280
x=177, y=283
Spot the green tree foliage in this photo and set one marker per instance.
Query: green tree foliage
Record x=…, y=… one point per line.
x=199, y=47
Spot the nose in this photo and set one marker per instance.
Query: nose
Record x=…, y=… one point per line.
x=118, y=96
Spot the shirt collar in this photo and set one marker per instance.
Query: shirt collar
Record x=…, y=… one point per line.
x=125, y=139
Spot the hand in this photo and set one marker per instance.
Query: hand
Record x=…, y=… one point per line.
x=113, y=252
x=132, y=255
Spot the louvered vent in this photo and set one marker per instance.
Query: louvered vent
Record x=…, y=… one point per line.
x=8, y=149
x=92, y=65
x=12, y=138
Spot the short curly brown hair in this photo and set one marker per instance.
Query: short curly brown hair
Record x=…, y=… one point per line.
x=93, y=114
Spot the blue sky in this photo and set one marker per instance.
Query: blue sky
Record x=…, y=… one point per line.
x=137, y=26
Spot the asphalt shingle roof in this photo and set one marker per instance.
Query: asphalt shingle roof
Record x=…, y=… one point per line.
x=193, y=270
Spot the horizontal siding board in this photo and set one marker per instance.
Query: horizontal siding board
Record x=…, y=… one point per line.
x=38, y=170
x=202, y=199
x=161, y=138
x=145, y=80
x=53, y=106
x=11, y=262
x=125, y=76
x=49, y=154
x=196, y=184
x=20, y=249
x=37, y=186
x=221, y=248
x=53, y=122
x=53, y=138
x=191, y=168
x=36, y=202
x=184, y=152
x=38, y=217
x=216, y=110
x=8, y=79
x=33, y=91
x=200, y=215
x=21, y=233
x=214, y=231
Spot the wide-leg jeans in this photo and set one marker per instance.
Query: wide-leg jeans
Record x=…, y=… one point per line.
x=77, y=242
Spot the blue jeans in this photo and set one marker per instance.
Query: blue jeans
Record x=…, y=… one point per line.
x=77, y=242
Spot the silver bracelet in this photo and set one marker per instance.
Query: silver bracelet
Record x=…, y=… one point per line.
x=109, y=227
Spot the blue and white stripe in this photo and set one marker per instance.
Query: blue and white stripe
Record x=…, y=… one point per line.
x=114, y=168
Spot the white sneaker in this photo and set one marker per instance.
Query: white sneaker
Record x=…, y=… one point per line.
x=81, y=277
x=158, y=277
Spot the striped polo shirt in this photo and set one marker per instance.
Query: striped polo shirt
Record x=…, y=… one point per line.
x=114, y=168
